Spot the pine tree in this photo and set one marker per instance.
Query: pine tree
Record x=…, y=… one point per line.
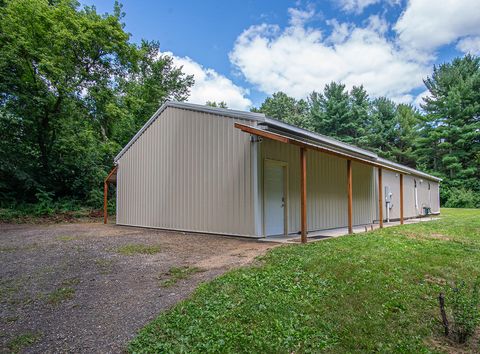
x=450, y=142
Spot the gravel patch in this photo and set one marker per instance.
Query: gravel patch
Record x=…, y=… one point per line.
x=73, y=287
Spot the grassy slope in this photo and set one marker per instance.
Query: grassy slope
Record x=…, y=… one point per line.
x=368, y=292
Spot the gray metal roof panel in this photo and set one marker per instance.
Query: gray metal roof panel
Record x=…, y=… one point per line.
x=319, y=138
x=408, y=169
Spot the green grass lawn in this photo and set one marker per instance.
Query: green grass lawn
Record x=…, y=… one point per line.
x=373, y=292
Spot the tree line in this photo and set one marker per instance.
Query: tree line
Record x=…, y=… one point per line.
x=74, y=89
x=442, y=137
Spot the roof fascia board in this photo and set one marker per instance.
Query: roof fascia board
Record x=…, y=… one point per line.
x=409, y=169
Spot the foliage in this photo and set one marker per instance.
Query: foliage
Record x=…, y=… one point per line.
x=450, y=142
x=73, y=90
x=287, y=109
x=214, y=104
x=463, y=301
x=461, y=198
x=372, y=292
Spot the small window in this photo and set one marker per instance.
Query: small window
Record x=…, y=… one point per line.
x=429, y=186
x=415, y=183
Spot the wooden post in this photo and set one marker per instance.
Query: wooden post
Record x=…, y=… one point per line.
x=380, y=197
x=303, y=194
x=349, y=193
x=401, y=199
x=105, y=209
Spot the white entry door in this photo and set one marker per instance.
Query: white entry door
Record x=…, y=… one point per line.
x=275, y=199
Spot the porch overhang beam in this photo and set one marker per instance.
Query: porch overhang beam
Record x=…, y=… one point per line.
x=288, y=140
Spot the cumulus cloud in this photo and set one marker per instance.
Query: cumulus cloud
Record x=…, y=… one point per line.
x=469, y=45
x=212, y=86
x=426, y=25
x=298, y=59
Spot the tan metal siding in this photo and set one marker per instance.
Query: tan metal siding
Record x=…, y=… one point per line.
x=435, y=192
x=409, y=197
x=391, y=180
x=424, y=198
x=188, y=171
x=326, y=188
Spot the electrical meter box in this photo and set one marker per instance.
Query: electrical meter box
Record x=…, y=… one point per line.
x=388, y=195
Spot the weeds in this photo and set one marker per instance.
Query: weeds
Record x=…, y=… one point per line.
x=64, y=292
x=462, y=301
x=137, y=248
x=177, y=273
x=22, y=341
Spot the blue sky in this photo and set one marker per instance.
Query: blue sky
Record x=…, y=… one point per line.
x=242, y=51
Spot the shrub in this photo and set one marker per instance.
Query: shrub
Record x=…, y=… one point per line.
x=45, y=203
x=462, y=198
x=463, y=304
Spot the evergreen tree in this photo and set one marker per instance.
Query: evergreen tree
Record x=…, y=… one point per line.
x=450, y=142
x=382, y=124
x=407, y=125
x=330, y=112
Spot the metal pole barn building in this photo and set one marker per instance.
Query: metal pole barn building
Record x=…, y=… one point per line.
x=212, y=170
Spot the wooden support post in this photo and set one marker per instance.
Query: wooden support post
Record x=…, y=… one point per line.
x=105, y=208
x=349, y=193
x=401, y=199
x=303, y=194
x=380, y=197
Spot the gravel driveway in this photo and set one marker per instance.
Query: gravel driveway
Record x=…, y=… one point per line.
x=89, y=287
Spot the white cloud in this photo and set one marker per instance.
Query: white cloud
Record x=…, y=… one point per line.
x=469, y=45
x=212, y=86
x=425, y=25
x=298, y=60
x=357, y=6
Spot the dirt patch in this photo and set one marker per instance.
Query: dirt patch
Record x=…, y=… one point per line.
x=446, y=345
x=423, y=236
x=435, y=280
x=68, y=282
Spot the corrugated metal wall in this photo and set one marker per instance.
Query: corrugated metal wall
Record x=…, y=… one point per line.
x=188, y=171
x=391, y=180
x=435, y=197
x=425, y=197
x=193, y=171
x=409, y=197
x=326, y=188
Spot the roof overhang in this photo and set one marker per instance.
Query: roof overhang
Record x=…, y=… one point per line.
x=311, y=146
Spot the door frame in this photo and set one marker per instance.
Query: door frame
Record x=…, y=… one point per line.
x=284, y=166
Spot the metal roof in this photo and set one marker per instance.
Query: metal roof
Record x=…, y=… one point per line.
x=277, y=126
x=318, y=138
